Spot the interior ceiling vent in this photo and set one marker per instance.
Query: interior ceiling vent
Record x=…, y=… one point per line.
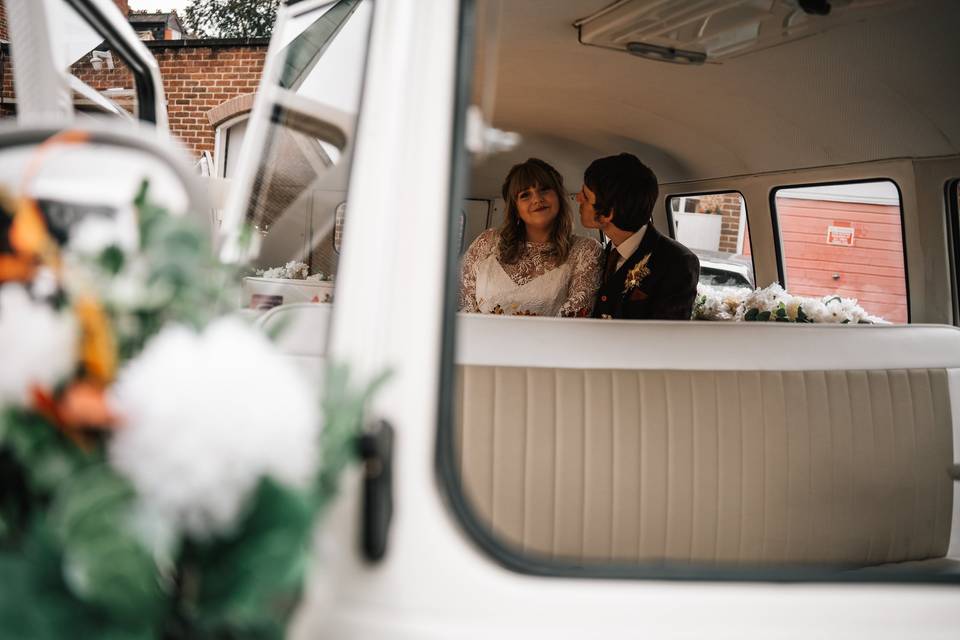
x=698, y=31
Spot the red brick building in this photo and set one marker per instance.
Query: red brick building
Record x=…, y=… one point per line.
x=206, y=81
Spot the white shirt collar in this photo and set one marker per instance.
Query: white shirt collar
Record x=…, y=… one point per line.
x=629, y=246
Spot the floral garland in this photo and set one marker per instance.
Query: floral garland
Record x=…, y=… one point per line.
x=774, y=304
x=294, y=270
x=161, y=467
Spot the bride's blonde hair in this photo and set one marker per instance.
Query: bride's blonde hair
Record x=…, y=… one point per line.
x=533, y=173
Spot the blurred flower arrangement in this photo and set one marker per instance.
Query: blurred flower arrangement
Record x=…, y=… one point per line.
x=161, y=467
x=774, y=304
x=294, y=270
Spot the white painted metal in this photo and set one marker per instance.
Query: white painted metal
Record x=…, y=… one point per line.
x=434, y=582
x=42, y=88
x=42, y=84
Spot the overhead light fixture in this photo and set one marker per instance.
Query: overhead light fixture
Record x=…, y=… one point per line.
x=666, y=54
x=712, y=31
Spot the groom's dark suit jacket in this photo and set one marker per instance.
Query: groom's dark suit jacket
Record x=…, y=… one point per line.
x=662, y=287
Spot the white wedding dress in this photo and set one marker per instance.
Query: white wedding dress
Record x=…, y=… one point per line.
x=542, y=296
x=535, y=284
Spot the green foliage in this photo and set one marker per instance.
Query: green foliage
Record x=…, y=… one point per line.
x=105, y=564
x=248, y=583
x=35, y=602
x=231, y=18
x=178, y=276
x=75, y=558
x=343, y=408
x=71, y=565
x=44, y=455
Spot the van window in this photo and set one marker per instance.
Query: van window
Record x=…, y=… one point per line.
x=714, y=226
x=299, y=185
x=592, y=447
x=102, y=80
x=844, y=239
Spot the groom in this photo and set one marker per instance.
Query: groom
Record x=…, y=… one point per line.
x=647, y=276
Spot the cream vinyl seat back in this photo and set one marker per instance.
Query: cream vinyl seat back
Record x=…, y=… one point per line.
x=300, y=332
x=710, y=443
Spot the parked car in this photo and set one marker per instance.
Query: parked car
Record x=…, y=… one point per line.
x=725, y=269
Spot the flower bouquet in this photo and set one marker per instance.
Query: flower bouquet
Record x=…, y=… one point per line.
x=162, y=467
x=774, y=304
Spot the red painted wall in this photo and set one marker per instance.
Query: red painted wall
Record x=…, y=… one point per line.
x=872, y=270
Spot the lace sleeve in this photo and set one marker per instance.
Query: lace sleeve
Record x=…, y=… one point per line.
x=479, y=249
x=585, y=257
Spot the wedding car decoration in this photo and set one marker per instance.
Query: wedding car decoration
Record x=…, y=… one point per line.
x=774, y=304
x=291, y=282
x=161, y=466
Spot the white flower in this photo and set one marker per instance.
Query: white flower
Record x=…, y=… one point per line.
x=37, y=345
x=293, y=270
x=93, y=234
x=205, y=417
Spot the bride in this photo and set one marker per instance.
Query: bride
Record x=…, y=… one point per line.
x=532, y=264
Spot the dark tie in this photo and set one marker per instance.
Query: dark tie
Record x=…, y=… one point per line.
x=611, y=267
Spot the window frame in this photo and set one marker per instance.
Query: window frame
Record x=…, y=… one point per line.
x=778, y=238
x=951, y=193
x=446, y=465
x=144, y=79
x=671, y=223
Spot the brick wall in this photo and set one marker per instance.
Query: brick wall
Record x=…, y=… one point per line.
x=198, y=75
x=198, y=78
x=7, y=108
x=728, y=206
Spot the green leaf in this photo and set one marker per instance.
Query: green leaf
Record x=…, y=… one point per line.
x=751, y=314
x=105, y=564
x=252, y=580
x=801, y=316
x=763, y=316
x=35, y=602
x=47, y=457
x=112, y=259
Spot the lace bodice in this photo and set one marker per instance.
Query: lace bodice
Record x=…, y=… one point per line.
x=535, y=284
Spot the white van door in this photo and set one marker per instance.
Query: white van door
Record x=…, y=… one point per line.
x=390, y=153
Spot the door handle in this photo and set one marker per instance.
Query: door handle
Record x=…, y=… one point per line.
x=376, y=451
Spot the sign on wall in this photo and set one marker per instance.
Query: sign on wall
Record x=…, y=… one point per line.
x=840, y=236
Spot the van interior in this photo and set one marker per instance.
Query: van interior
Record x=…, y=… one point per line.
x=811, y=143
x=592, y=448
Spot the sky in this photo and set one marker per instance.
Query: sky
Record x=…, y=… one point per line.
x=160, y=5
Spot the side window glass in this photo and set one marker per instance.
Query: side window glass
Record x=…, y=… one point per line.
x=299, y=189
x=101, y=80
x=714, y=226
x=845, y=240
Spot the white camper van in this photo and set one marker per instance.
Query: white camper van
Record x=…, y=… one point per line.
x=559, y=477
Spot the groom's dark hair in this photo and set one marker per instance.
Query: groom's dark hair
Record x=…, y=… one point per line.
x=625, y=185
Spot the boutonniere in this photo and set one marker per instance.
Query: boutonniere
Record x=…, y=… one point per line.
x=637, y=274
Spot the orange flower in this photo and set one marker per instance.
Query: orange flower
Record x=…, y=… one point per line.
x=16, y=268
x=98, y=349
x=84, y=405
x=28, y=231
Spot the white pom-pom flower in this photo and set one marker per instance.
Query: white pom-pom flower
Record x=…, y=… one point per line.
x=204, y=417
x=37, y=343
